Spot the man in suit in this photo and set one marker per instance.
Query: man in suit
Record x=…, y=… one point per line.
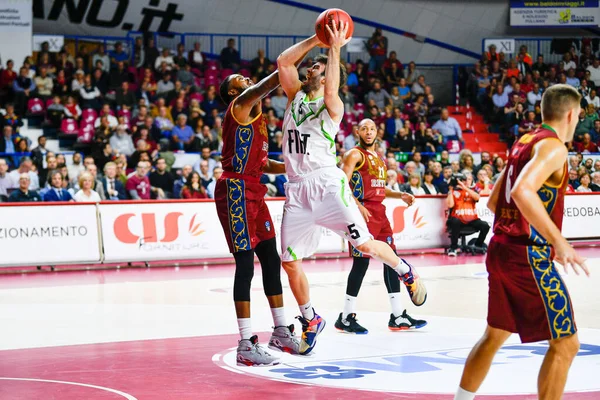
x=38, y=154
x=56, y=191
x=113, y=187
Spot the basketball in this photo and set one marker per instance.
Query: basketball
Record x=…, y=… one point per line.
x=331, y=16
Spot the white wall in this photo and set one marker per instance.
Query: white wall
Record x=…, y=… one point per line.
x=459, y=23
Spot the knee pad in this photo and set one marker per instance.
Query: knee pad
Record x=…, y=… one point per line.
x=244, y=272
x=356, y=276
x=270, y=262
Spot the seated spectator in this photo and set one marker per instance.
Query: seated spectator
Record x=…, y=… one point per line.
x=573, y=179
x=259, y=65
x=23, y=88
x=104, y=155
x=121, y=142
x=117, y=76
x=6, y=180
x=448, y=127
x=584, y=184
x=572, y=80
x=111, y=120
x=202, y=139
x=118, y=55
x=182, y=134
x=205, y=174
x=44, y=84
x=86, y=192
x=24, y=193
x=96, y=184
x=112, y=186
x=418, y=87
x=196, y=58
x=593, y=99
x=7, y=142
x=403, y=142
x=230, y=57
x=161, y=178
x=10, y=118
x=393, y=124
x=165, y=86
x=90, y=95
x=529, y=124
x=56, y=191
x=414, y=185
x=193, y=188
x=179, y=183
x=397, y=100
x=26, y=166
x=412, y=73
x=138, y=185
x=379, y=95
x=43, y=173
x=205, y=156
x=586, y=146
x=139, y=55
x=164, y=122
x=101, y=56
x=165, y=153
x=428, y=186
x=417, y=158
x=461, y=201
x=180, y=60
x=484, y=184
x=125, y=97
x=78, y=82
x=8, y=76
x=595, y=185
x=279, y=101
x=166, y=58
x=151, y=53
x=210, y=189
x=392, y=180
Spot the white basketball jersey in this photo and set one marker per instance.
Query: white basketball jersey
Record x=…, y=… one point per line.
x=308, y=136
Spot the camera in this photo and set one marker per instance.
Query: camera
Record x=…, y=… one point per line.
x=455, y=178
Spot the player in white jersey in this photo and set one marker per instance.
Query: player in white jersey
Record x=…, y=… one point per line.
x=318, y=194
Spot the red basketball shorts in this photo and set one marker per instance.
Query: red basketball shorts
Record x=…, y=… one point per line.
x=379, y=226
x=526, y=294
x=243, y=213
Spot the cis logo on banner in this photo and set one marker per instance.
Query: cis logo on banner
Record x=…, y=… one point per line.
x=149, y=232
x=400, y=220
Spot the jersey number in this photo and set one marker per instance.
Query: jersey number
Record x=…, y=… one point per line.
x=354, y=234
x=297, y=141
x=509, y=184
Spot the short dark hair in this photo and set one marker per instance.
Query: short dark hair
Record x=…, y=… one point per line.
x=557, y=100
x=224, y=91
x=322, y=58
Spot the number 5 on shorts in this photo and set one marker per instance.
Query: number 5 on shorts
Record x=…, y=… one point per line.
x=354, y=234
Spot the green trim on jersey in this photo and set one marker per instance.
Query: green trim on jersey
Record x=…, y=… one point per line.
x=305, y=99
x=328, y=137
x=319, y=112
x=298, y=123
x=289, y=249
x=343, y=192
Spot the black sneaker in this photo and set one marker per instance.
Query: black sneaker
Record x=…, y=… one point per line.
x=405, y=322
x=349, y=325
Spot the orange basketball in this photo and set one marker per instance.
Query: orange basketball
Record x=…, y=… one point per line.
x=330, y=17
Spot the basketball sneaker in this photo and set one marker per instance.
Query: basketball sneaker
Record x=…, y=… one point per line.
x=310, y=330
x=249, y=353
x=452, y=252
x=283, y=339
x=349, y=325
x=414, y=285
x=405, y=322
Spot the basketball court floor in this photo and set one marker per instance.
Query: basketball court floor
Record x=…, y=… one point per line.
x=171, y=333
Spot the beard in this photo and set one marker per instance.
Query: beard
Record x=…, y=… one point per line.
x=311, y=84
x=364, y=144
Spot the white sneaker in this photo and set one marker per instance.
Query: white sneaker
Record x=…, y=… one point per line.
x=249, y=353
x=283, y=339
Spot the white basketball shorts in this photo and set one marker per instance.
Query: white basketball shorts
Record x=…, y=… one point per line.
x=320, y=199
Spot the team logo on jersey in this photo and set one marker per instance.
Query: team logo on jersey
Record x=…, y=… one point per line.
x=268, y=226
x=389, y=240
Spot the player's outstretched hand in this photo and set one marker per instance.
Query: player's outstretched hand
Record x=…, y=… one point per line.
x=408, y=198
x=365, y=213
x=568, y=257
x=337, y=36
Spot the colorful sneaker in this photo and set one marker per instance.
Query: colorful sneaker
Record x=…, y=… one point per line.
x=249, y=353
x=405, y=322
x=414, y=285
x=283, y=339
x=310, y=330
x=452, y=252
x=349, y=325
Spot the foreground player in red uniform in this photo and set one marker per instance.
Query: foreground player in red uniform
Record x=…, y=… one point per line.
x=244, y=215
x=366, y=173
x=526, y=294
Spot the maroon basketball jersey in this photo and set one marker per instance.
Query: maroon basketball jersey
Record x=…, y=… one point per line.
x=245, y=147
x=508, y=221
x=369, y=178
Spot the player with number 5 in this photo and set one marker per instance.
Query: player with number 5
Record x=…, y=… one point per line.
x=318, y=194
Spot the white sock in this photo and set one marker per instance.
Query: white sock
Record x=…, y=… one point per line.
x=462, y=394
x=349, y=305
x=278, y=316
x=245, y=328
x=396, y=303
x=307, y=311
x=402, y=267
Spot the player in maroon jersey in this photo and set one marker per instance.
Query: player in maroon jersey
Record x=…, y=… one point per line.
x=244, y=216
x=366, y=173
x=526, y=294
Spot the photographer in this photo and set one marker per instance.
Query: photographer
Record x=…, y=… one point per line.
x=461, y=202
